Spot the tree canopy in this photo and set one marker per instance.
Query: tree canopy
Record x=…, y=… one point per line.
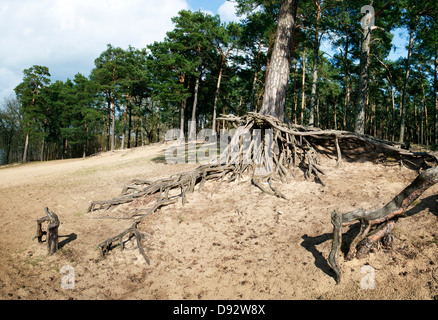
x=205, y=67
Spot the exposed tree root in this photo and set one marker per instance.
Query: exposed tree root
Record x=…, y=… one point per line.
x=384, y=218
x=52, y=231
x=265, y=149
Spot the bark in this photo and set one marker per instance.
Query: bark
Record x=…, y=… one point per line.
x=303, y=88
x=108, y=126
x=26, y=147
x=216, y=94
x=42, y=149
x=315, y=65
x=359, y=125
x=113, y=126
x=393, y=112
x=405, y=88
x=129, y=126
x=435, y=92
x=192, y=129
x=274, y=98
x=124, y=125
x=181, y=119
x=346, y=118
x=254, y=82
x=84, y=150
x=293, y=116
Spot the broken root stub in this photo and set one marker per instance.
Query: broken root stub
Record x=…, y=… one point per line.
x=132, y=231
x=52, y=231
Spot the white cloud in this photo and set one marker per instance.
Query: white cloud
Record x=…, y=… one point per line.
x=67, y=35
x=227, y=11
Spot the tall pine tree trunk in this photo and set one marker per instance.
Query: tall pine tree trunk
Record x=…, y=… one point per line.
x=192, y=129
x=435, y=92
x=181, y=118
x=113, y=126
x=359, y=124
x=315, y=65
x=108, y=126
x=346, y=118
x=124, y=125
x=293, y=115
x=216, y=94
x=254, y=81
x=405, y=87
x=303, y=88
x=26, y=147
x=274, y=98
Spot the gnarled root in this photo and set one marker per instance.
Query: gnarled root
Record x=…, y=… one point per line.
x=385, y=217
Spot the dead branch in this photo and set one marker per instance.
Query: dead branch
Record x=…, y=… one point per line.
x=106, y=245
x=386, y=215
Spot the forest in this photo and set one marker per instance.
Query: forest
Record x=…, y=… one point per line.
x=205, y=68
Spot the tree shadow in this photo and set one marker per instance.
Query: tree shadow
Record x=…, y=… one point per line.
x=69, y=238
x=310, y=244
x=430, y=202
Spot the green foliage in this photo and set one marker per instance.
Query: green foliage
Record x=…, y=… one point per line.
x=150, y=90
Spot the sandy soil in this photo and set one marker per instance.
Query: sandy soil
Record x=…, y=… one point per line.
x=236, y=243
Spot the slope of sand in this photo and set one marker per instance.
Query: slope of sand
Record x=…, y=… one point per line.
x=227, y=242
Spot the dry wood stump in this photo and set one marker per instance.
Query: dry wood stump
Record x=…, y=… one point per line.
x=51, y=233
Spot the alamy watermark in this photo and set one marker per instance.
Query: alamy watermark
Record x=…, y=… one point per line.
x=367, y=21
x=368, y=280
x=68, y=281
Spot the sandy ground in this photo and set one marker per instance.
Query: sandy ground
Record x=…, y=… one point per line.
x=234, y=243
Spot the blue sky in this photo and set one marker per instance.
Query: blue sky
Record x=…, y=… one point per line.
x=68, y=35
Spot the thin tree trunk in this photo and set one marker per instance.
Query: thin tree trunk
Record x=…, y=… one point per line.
x=192, y=128
x=108, y=127
x=359, y=125
x=129, y=125
x=315, y=65
x=303, y=89
x=216, y=94
x=346, y=118
x=426, y=130
x=84, y=150
x=124, y=123
x=113, y=126
x=293, y=115
x=42, y=149
x=334, y=117
x=435, y=91
x=274, y=98
x=26, y=147
x=405, y=88
x=181, y=126
x=254, y=81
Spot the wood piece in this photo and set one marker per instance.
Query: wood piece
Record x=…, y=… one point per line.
x=51, y=233
x=106, y=245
